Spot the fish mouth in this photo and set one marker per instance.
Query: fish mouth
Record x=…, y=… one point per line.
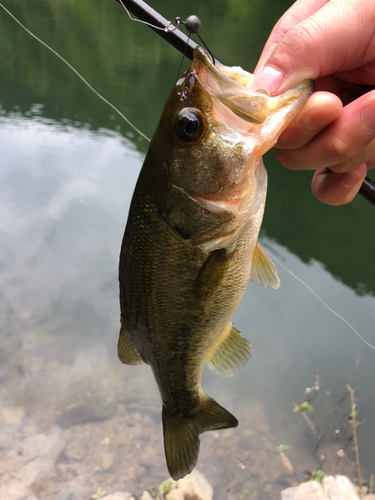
x=239, y=112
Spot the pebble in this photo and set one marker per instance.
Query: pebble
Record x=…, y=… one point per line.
x=107, y=460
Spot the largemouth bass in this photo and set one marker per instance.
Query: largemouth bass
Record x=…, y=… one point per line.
x=191, y=243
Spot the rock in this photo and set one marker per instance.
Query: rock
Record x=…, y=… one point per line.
x=339, y=488
x=367, y=497
x=13, y=415
x=35, y=470
x=40, y=445
x=312, y=490
x=24, y=453
x=119, y=495
x=194, y=486
x=332, y=488
x=107, y=460
x=146, y=496
x=27, y=479
x=90, y=409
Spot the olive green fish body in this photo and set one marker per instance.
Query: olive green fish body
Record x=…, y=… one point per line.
x=172, y=319
x=190, y=244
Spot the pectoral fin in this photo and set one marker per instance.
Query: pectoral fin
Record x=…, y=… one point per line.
x=212, y=273
x=263, y=270
x=125, y=350
x=230, y=353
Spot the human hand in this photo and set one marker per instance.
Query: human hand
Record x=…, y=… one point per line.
x=333, y=43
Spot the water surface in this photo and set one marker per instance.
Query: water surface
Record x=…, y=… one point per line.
x=69, y=165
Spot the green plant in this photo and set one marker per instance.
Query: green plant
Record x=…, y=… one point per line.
x=303, y=407
x=166, y=486
x=317, y=475
x=283, y=448
x=99, y=494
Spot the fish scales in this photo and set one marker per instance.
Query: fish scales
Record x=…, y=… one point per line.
x=191, y=243
x=167, y=306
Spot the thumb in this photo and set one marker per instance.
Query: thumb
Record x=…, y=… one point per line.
x=337, y=37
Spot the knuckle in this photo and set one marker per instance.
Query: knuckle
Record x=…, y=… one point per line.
x=301, y=36
x=288, y=159
x=339, y=150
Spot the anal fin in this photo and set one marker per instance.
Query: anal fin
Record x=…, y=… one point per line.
x=263, y=270
x=125, y=350
x=230, y=353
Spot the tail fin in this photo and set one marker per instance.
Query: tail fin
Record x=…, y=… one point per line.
x=181, y=435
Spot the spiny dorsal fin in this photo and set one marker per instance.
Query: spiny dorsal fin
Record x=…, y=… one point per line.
x=230, y=353
x=181, y=435
x=263, y=270
x=125, y=350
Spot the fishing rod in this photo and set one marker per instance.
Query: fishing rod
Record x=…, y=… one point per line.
x=160, y=26
x=186, y=46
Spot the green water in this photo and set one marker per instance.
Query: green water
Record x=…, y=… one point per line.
x=67, y=171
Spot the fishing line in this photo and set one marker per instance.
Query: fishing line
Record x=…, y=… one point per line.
x=182, y=60
x=170, y=27
x=78, y=74
x=322, y=301
x=147, y=139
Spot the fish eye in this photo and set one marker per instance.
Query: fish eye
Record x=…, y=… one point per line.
x=189, y=125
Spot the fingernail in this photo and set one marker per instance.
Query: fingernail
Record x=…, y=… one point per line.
x=268, y=78
x=368, y=118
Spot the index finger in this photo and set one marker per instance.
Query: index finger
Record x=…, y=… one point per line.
x=345, y=28
x=300, y=10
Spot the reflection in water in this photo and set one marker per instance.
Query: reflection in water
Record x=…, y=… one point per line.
x=72, y=418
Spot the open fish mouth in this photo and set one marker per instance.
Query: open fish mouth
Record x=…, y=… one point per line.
x=239, y=113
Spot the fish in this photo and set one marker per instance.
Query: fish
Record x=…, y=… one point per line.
x=191, y=242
